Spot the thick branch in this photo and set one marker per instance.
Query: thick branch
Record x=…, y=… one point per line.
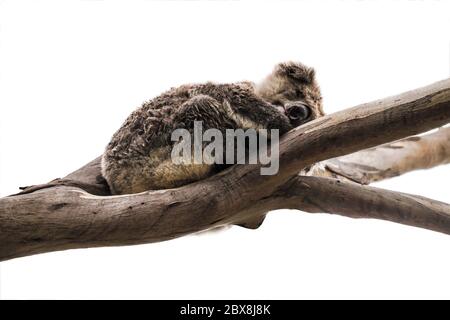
x=63, y=216
x=325, y=195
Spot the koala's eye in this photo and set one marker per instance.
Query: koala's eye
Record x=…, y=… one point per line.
x=298, y=112
x=277, y=103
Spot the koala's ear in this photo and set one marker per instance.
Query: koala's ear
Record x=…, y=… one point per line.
x=295, y=71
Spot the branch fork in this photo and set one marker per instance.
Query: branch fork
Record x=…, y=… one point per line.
x=324, y=166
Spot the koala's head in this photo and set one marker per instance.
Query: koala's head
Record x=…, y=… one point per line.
x=293, y=87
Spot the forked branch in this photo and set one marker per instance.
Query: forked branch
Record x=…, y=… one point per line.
x=65, y=214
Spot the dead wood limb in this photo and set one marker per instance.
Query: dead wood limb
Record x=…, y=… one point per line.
x=393, y=159
x=61, y=215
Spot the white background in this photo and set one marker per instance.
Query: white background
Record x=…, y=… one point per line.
x=71, y=72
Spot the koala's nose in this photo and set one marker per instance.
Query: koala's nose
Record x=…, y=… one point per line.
x=297, y=112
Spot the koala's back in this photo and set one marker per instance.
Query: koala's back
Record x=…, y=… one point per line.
x=138, y=155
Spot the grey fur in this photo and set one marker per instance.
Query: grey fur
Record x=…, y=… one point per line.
x=138, y=155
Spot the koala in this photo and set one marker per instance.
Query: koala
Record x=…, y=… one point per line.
x=138, y=157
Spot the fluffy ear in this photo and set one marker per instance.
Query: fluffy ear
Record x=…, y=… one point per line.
x=295, y=72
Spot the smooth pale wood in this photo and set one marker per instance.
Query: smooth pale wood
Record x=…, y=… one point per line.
x=61, y=215
x=393, y=159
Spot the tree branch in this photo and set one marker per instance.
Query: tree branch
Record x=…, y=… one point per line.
x=325, y=195
x=61, y=215
x=393, y=159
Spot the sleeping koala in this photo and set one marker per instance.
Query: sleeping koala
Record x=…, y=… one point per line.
x=138, y=157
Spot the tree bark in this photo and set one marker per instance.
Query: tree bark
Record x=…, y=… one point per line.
x=393, y=159
x=75, y=213
x=325, y=195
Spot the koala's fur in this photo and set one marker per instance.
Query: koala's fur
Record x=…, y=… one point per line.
x=138, y=157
